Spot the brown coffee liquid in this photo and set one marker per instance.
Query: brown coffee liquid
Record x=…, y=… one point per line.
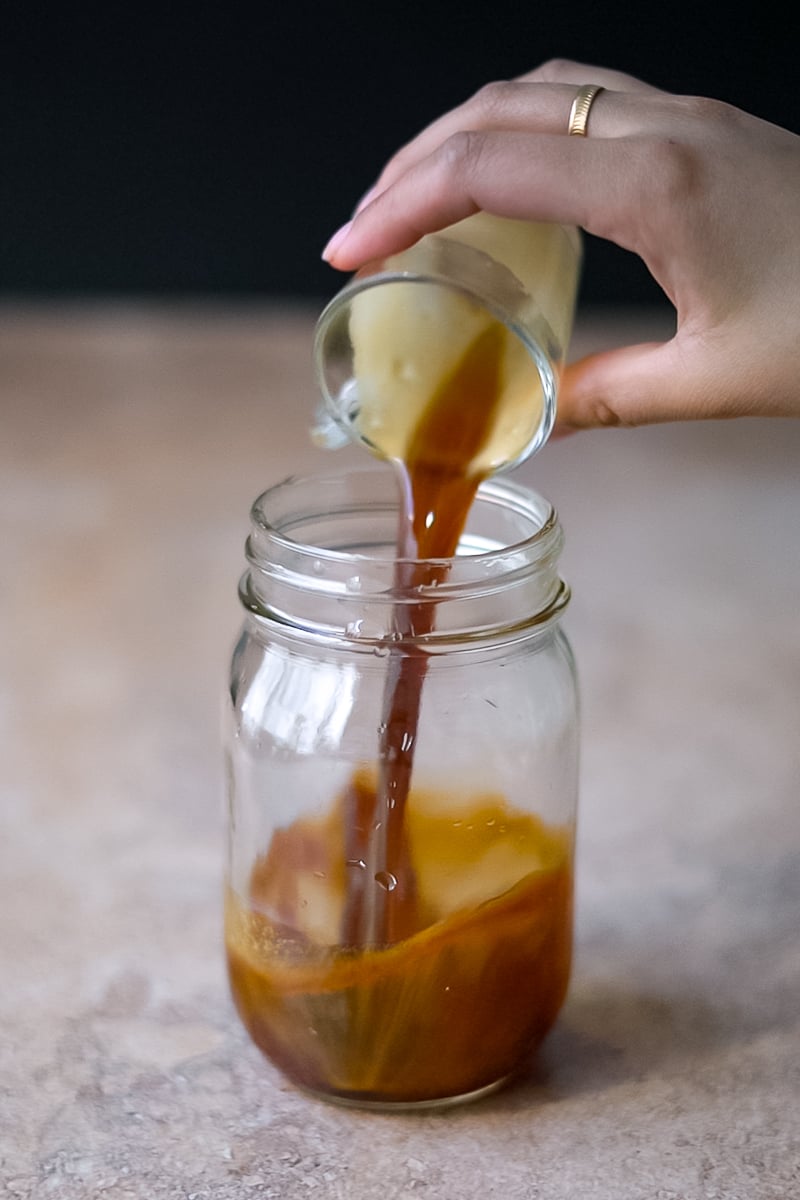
x=438, y=982
x=452, y=1008
x=438, y=487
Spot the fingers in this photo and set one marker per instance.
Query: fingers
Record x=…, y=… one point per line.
x=509, y=106
x=560, y=70
x=682, y=379
x=623, y=387
x=506, y=151
x=522, y=103
x=602, y=184
x=528, y=105
x=704, y=194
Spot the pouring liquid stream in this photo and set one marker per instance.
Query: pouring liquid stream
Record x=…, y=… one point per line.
x=437, y=485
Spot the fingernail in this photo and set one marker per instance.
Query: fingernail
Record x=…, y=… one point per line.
x=336, y=241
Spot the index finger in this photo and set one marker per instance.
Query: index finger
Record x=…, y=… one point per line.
x=595, y=183
x=563, y=70
x=510, y=104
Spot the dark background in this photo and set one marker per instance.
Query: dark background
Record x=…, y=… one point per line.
x=211, y=151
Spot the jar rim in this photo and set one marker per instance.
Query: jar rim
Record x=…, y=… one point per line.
x=346, y=581
x=271, y=517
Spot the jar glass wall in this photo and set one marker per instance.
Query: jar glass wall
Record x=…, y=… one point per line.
x=376, y=956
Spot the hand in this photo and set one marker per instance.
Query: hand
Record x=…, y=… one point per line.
x=708, y=196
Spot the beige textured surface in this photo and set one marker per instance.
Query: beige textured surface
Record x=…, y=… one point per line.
x=132, y=442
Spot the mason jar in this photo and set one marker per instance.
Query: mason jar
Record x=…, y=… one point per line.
x=402, y=772
x=392, y=336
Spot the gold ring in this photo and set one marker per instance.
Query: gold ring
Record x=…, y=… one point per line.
x=579, y=113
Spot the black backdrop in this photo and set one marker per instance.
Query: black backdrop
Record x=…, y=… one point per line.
x=211, y=151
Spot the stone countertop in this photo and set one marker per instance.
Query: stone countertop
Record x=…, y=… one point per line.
x=132, y=442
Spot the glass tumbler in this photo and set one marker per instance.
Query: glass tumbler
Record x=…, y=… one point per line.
x=391, y=338
x=399, y=946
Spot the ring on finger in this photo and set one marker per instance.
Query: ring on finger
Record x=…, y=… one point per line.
x=581, y=105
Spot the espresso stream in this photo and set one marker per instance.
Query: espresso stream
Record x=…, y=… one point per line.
x=438, y=489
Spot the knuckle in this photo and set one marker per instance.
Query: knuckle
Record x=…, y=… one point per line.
x=593, y=411
x=671, y=170
x=603, y=416
x=707, y=111
x=493, y=98
x=663, y=176
x=460, y=152
x=556, y=70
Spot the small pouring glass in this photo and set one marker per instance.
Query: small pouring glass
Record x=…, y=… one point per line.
x=399, y=326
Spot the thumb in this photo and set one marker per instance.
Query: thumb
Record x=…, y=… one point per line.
x=637, y=385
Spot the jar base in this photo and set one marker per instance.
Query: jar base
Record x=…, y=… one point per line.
x=400, y=1106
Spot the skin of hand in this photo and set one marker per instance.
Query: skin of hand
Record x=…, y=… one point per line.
x=707, y=195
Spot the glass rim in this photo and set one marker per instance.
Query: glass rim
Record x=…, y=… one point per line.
x=546, y=534
x=322, y=559
x=477, y=275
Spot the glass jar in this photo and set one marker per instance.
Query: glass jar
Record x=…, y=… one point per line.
x=402, y=770
x=394, y=334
